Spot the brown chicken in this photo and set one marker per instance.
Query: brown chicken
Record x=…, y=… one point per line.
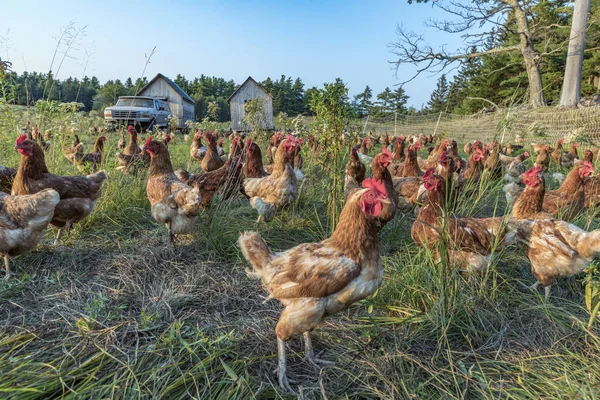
x=472, y=173
x=211, y=160
x=226, y=180
x=470, y=242
x=355, y=172
x=197, y=150
x=78, y=194
x=569, y=200
x=7, y=175
x=555, y=248
x=274, y=143
x=571, y=156
x=23, y=220
x=174, y=203
x=253, y=166
x=270, y=193
x=399, y=147
x=558, y=152
x=94, y=158
x=132, y=158
x=314, y=280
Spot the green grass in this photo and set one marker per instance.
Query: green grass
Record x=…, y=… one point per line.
x=113, y=312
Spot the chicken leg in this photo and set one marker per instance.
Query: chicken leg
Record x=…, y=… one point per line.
x=284, y=382
x=536, y=285
x=6, y=266
x=310, y=352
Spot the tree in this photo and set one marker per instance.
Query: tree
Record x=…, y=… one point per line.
x=439, y=97
x=571, y=89
x=213, y=110
x=398, y=100
x=503, y=16
x=363, y=102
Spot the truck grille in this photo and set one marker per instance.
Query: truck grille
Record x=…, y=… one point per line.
x=125, y=114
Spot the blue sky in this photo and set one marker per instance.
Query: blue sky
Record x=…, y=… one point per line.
x=314, y=40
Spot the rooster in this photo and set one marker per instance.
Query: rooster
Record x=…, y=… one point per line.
x=78, y=194
x=173, y=203
x=555, y=248
x=23, y=220
x=313, y=280
x=277, y=190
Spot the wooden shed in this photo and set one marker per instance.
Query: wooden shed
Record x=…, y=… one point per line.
x=181, y=104
x=249, y=90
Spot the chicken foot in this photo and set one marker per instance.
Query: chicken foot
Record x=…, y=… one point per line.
x=59, y=235
x=284, y=382
x=6, y=266
x=546, y=289
x=310, y=353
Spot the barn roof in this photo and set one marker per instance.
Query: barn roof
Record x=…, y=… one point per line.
x=261, y=87
x=173, y=85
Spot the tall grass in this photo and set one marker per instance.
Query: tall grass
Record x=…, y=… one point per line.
x=114, y=312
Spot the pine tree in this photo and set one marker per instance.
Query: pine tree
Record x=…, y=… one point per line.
x=439, y=97
x=363, y=102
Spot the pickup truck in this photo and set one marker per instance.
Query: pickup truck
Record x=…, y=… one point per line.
x=142, y=111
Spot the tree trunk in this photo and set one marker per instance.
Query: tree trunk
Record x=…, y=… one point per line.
x=536, y=88
x=571, y=89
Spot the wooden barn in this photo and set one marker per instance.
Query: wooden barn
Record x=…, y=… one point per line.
x=249, y=90
x=180, y=103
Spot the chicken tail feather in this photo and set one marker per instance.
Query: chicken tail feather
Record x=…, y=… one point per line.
x=256, y=252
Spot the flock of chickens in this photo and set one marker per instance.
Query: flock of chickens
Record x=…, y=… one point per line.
x=314, y=280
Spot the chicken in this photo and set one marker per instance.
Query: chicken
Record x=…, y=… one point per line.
x=211, y=160
x=568, y=201
x=434, y=156
x=591, y=191
x=277, y=190
x=7, y=175
x=94, y=158
x=253, y=166
x=355, y=172
x=568, y=158
x=399, y=155
x=555, y=248
x=470, y=242
x=197, y=150
x=543, y=158
x=23, y=220
x=78, y=194
x=122, y=142
x=313, y=280
x=132, y=158
x=468, y=148
x=515, y=168
x=363, y=151
x=76, y=147
x=472, y=173
x=173, y=203
x=274, y=143
x=558, y=152
x=226, y=180
x=38, y=138
x=492, y=165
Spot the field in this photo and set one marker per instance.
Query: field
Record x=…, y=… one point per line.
x=115, y=312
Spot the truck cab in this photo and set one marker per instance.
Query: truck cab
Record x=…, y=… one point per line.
x=142, y=111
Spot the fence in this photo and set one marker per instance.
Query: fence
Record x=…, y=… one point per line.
x=546, y=126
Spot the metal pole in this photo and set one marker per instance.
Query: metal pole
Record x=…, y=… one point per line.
x=437, y=124
x=365, y=127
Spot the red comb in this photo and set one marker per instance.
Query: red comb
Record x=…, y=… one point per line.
x=21, y=139
x=290, y=137
x=148, y=141
x=428, y=173
x=248, y=142
x=386, y=151
x=375, y=185
x=588, y=164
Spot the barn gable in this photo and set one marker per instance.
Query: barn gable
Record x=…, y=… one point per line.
x=180, y=103
x=249, y=90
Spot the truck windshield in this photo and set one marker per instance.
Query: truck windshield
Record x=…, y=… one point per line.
x=145, y=103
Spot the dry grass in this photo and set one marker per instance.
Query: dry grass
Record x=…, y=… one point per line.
x=114, y=312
